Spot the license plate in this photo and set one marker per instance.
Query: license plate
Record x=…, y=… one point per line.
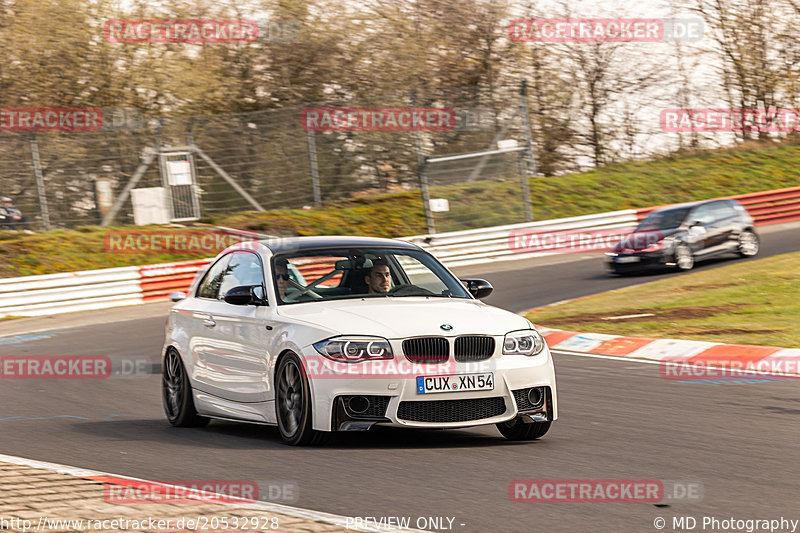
x=456, y=383
x=627, y=259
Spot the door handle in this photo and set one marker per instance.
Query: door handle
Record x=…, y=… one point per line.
x=209, y=322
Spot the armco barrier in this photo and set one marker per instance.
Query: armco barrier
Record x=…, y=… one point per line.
x=111, y=287
x=485, y=245
x=70, y=291
x=460, y=248
x=768, y=207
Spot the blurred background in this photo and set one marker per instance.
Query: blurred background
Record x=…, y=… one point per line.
x=580, y=106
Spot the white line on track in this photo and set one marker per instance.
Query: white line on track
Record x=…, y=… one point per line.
x=614, y=357
x=744, y=371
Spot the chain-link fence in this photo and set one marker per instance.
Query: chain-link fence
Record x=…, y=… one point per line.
x=271, y=159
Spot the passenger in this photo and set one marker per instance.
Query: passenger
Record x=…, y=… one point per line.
x=282, y=276
x=379, y=279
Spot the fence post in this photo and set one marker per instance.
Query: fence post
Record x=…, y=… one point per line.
x=423, y=178
x=527, y=162
x=37, y=172
x=312, y=156
x=423, y=185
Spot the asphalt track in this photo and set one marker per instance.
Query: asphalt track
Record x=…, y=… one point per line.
x=619, y=420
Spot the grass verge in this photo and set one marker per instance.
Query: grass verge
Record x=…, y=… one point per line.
x=746, y=302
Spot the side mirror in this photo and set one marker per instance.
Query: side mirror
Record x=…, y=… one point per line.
x=177, y=296
x=479, y=288
x=695, y=223
x=246, y=295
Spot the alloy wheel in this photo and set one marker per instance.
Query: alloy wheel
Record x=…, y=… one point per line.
x=684, y=258
x=748, y=244
x=173, y=384
x=290, y=397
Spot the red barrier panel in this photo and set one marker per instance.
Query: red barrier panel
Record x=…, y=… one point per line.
x=317, y=267
x=766, y=207
x=157, y=281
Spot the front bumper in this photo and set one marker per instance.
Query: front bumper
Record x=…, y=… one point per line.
x=335, y=386
x=637, y=261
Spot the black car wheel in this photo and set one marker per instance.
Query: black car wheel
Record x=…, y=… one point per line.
x=293, y=404
x=176, y=394
x=748, y=244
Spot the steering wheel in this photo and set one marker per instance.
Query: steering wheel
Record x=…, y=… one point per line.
x=399, y=290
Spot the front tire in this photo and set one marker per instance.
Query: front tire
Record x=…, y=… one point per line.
x=293, y=404
x=748, y=244
x=516, y=429
x=176, y=394
x=684, y=259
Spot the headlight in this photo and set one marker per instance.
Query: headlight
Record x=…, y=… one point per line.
x=523, y=342
x=353, y=349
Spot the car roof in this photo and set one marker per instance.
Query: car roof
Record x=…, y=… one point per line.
x=296, y=244
x=690, y=204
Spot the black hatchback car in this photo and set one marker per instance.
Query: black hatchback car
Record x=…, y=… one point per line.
x=678, y=236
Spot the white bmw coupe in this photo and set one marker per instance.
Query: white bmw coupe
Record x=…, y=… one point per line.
x=323, y=334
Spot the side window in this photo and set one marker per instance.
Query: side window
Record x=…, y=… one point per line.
x=726, y=209
x=703, y=214
x=209, y=287
x=420, y=275
x=244, y=268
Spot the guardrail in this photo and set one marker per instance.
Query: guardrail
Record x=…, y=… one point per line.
x=767, y=207
x=485, y=245
x=71, y=291
x=51, y=294
x=97, y=289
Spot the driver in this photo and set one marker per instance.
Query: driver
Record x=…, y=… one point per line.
x=282, y=276
x=379, y=279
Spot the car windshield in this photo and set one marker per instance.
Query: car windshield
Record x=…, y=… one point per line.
x=333, y=274
x=664, y=219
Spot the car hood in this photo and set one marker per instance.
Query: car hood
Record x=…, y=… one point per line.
x=640, y=240
x=395, y=318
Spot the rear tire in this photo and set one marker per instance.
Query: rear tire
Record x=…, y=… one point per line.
x=749, y=244
x=293, y=405
x=516, y=429
x=176, y=393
